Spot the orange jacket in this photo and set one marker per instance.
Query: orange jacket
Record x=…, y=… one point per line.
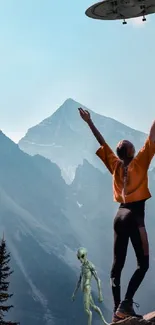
x=136, y=187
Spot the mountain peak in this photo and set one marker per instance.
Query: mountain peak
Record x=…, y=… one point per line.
x=6, y=141
x=68, y=108
x=69, y=104
x=70, y=101
x=68, y=111
x=66, y=140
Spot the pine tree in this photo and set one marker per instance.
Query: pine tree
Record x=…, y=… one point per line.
x=5, y=272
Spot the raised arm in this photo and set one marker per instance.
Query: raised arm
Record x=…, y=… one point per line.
x=76, y=288
x=94, y=273
x=105, y=153
x=147, y=152
x=152, y=132
x=87, y=118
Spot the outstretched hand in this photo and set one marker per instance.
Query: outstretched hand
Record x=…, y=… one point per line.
x=100, y=299
x=73, y=298
x=84, y=114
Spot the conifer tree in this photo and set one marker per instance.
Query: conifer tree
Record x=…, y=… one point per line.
x=5, y=273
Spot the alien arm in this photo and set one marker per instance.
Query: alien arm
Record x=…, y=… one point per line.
x=94, y=273
x=78, y=285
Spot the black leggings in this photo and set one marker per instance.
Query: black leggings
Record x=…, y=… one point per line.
x=129, y=224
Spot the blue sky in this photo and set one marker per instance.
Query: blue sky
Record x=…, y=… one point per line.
x=49, y=51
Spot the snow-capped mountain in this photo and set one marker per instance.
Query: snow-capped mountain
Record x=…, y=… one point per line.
x=66, y=140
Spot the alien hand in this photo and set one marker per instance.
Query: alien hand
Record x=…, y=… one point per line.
x=73, y=297
x=100, y=298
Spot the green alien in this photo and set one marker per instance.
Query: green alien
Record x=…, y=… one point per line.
x=87, y=272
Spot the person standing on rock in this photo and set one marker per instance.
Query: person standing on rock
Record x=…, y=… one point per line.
x=130, y=189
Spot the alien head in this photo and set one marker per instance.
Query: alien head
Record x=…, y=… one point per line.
x=82, y=254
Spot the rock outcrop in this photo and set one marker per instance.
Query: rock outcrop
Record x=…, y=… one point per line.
x=148, y=319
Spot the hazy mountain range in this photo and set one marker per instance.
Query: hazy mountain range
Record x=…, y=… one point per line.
x=45, y=220
x=66, y=140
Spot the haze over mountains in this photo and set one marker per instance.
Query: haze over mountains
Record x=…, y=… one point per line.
x=45, y=220
x=43, y=226
x=66, y=140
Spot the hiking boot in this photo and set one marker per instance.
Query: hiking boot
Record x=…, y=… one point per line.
x=115, y=318
x=125, y=309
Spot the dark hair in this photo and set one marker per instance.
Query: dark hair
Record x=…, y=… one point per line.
x=123, y=149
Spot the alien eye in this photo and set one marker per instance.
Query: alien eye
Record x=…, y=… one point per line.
x=82, y=256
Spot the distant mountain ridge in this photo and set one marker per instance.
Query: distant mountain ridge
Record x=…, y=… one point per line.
x=66, y=140
x=38, y=214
